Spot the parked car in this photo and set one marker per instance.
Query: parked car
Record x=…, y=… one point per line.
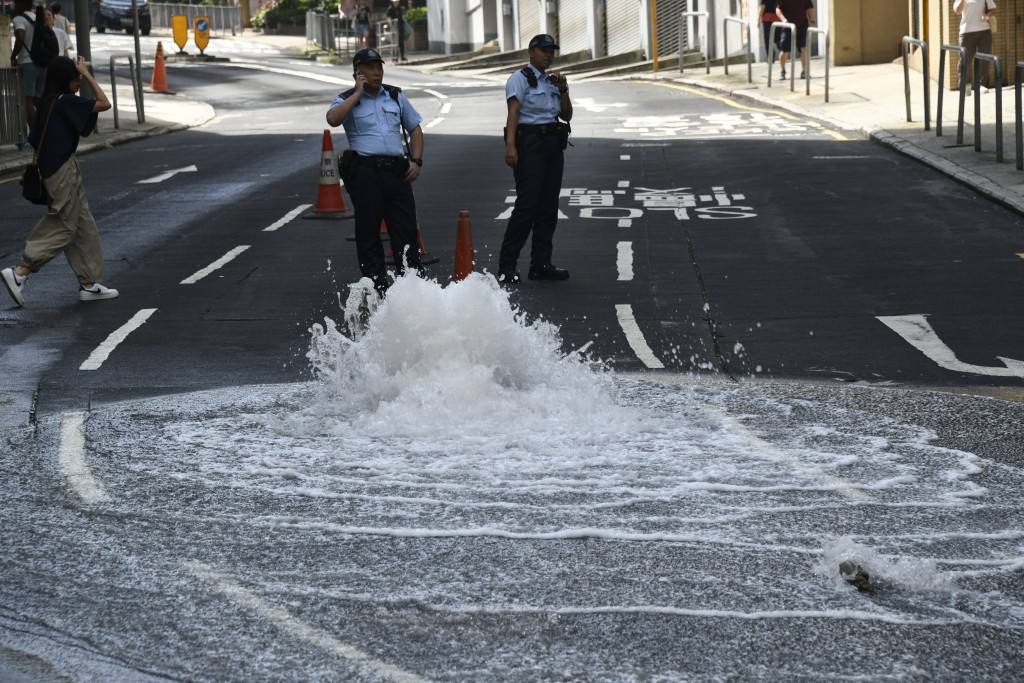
x=117, y=14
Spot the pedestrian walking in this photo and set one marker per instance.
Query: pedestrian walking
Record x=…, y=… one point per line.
x=800, y=13
x=975, y=37
x=62, y=37
x=534, y=143
x=376, y=169
x=32, y=75
x=59, y=20
x=362, y=24
x=766, y=17
x=396, y=14
x=68, y=226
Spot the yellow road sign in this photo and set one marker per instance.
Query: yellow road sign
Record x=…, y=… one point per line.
x=179, y=28
x=201, y=32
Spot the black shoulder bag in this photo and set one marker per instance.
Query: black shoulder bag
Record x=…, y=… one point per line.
x=32, y=186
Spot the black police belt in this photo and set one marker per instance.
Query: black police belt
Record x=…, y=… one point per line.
x=538, y=129
x=382, y=161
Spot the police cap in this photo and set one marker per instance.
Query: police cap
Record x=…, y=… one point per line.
x=366, y=56
x=543, y=41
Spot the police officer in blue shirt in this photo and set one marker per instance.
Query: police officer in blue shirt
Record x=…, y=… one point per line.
x=534, y=141
x=376, y=117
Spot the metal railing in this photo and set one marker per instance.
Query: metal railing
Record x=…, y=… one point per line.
x=907, y=40
x=222, y=17
x=811, y=30
x=682, y=48
x=942, y=86
x=774, y=46
x=978, y=59
x=333, y=33
x=725, y=41
x=136, y=88
x=12, y=114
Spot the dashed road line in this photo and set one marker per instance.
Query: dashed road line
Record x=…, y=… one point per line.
x=286, y=622
x=71, y=455
x=103, y=351
x=287, y=218
x=624, y=261
x=627, y=321
x=219, y=263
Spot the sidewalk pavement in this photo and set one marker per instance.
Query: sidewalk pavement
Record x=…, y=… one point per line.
x=867, y=99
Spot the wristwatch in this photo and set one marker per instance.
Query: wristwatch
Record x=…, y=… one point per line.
x=418, y=162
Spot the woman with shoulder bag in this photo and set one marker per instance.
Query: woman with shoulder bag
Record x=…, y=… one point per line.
x=975, y=37
x=68, y=226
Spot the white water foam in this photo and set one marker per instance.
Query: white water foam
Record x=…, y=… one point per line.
x=443, y=414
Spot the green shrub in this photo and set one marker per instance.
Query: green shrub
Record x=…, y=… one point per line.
x=291, y=12
x=416, y=15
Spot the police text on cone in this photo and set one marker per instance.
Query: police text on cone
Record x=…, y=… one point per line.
x=329, y=201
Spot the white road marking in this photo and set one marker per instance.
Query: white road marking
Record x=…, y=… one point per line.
x=624, y=261
x=623, y=183
x=103, y=351
x=226, y=258
x=169, y=174
x=434, y=122
x=72, y=459
x=624, y=312
x=438, y=95
x=287, y=218
x=446, y=107
x=918, y=332
x=624, y=157
x=286, y=622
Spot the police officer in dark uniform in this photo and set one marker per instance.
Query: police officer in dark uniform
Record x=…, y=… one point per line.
x=379, y=175
x=534, y=142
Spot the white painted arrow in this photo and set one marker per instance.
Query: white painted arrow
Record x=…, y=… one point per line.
x=919, y=333
x=589, y=104
x=169, y=174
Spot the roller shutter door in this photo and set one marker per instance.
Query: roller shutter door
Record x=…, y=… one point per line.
x=529, y=21
x=622, y=26
x=668, y=25
x=572, y=26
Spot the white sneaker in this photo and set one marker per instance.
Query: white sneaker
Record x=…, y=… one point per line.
x=14, y=285
x=97, y=292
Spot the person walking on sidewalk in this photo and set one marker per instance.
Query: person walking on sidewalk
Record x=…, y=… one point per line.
x=396, y=13
x=32, y=75
x=375, y=116
x=800, y=13
x=363, y=24
x=975, y=37
x=766, y=16
x=68, y=225
x=534, y=144
x=59, y=20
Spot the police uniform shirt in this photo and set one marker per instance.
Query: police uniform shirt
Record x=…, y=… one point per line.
x=372, y=125
x=538, y=105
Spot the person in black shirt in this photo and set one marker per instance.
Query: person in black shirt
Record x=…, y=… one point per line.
x=68, y=227
x=395, y=14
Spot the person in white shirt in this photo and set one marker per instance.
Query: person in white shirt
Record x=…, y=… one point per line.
x=59, y=20
x=33, y=76
x=66, y=46
x=975, y=36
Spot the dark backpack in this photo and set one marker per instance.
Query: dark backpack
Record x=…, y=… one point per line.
x=44, y=48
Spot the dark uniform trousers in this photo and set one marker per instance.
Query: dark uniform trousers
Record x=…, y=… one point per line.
x=538, y=175
x=382, y=194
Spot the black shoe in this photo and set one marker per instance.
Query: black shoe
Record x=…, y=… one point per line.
x=547, y=271
x=509, y=277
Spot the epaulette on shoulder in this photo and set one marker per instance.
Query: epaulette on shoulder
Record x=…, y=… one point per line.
x=531, y=77
x=392, y=90
x=347, y=94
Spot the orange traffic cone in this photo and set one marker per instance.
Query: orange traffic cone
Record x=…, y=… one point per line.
x=329, y=201
x=159, y=83
x=425, y=258
x=464, y=255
